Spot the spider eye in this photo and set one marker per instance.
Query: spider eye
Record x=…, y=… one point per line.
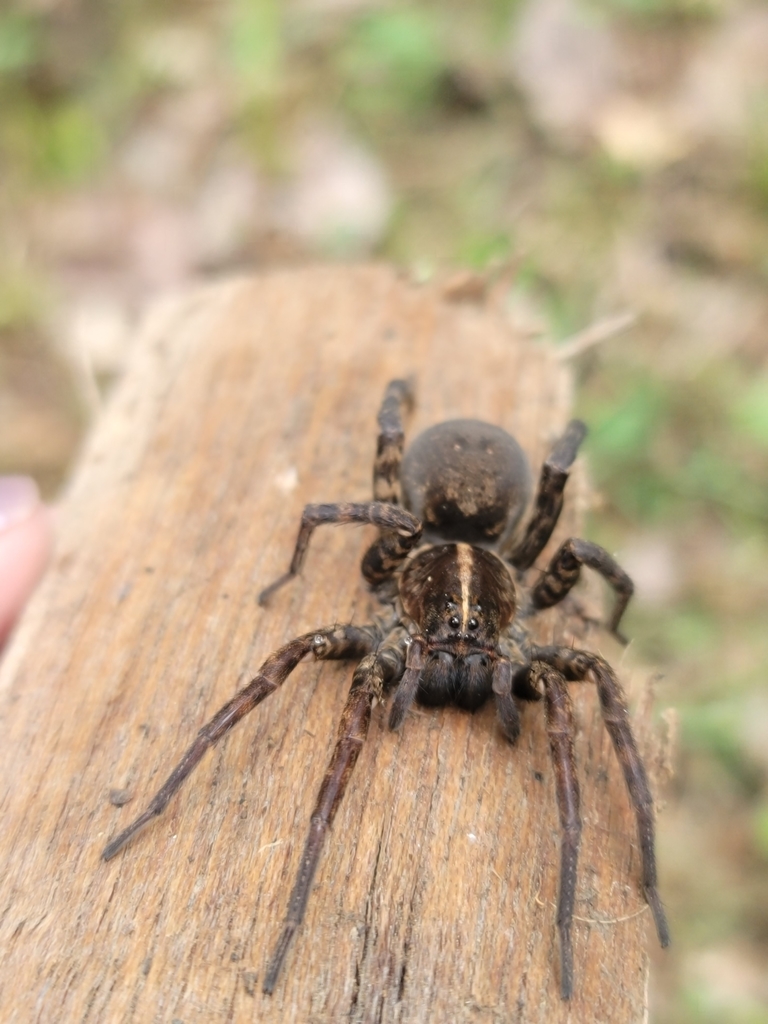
x=454, y=622
x=473, y=623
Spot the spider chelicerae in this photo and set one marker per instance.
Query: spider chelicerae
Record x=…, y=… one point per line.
x=446, y=564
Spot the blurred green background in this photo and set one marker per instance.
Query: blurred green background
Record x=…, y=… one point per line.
x=613, y=154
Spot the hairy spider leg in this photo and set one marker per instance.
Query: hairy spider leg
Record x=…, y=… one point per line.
x=577, y=665
x=549, y=497
x=398, y=398
x=405, y=694
x=563, y=572
x=336, y=642
x=560, y=730
x=503, y=695
x=367, y=685
x=401, y=531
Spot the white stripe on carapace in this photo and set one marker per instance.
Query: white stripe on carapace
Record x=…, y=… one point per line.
x=464, y=560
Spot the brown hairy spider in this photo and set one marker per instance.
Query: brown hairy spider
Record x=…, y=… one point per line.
x=454, y=631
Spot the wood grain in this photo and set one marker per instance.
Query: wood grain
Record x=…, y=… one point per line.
x=434, y=899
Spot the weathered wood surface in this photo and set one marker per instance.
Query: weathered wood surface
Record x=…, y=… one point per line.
x=434, y=899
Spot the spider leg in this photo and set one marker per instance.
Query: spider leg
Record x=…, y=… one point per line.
x=401, y=532
x=503, y=695
x=409, y=682
x=549, y=497
x=367, y=685
x=560, y=729
x=389, y=446
x=577, y=665
x=334, y=642
x=564, y=570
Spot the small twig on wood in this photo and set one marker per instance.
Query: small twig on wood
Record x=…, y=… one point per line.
x=598, y=920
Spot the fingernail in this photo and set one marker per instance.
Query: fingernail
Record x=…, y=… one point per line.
x=19, y=497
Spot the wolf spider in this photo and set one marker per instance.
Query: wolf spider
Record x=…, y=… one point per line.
x=454, y=632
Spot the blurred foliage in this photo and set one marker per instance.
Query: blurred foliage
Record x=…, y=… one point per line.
x=52, y=129
x=255, y=46
x=391, y=62
x=21, y=297
x=750, y=414
x=484, y=251
x=760, y=825
x=678, y=440
x=662, y=451
x=19, y=42
x=717, y=728
x=757, y=150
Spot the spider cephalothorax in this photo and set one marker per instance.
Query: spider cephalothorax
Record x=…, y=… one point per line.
x=454, y=629
x=459, y=598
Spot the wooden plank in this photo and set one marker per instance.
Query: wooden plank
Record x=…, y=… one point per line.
x=434, y=899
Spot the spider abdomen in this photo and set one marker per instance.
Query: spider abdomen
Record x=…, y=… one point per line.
x=466, y=480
